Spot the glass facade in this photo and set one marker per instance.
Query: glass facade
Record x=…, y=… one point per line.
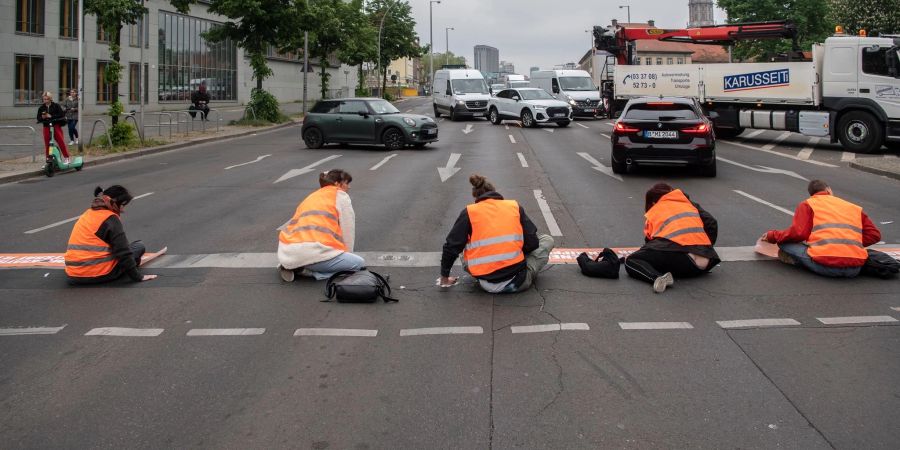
x=29, y=79
x=186, y=59
x=104, y=89
x=68, y=20
x=30, y=16
x=68, y=76
x=134, y=81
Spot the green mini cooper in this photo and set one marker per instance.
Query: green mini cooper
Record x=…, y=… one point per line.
x=366, y=121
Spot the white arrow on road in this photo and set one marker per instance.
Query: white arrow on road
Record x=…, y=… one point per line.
x=258, y=159
x=547, y=129
x=599, y=167
x=468, y=129
x=450, y=169
x=297, y=172
x=763, y=169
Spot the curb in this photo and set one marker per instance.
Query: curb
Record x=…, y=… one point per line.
x=150, y=151
x=876, y=171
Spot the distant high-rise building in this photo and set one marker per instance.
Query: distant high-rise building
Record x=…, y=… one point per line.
x=507, y=67
x=534, y=69
x=570, y=66
x=701, y=13
x=487, y=59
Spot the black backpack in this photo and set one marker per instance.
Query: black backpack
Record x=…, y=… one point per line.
x=881, y=265
x=605, y=265
x=358, y=287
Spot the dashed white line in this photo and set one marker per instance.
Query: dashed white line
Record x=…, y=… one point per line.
x=226, y=331
x=548, y=215
x=548, y=129
x=753, y=134
x=383, y=161
x=72, y=219
x=258, y=159
x=131, y=332
x=507, y=126
x=855, y=320
x=655, y=325
x=441, y=330
x=512, y=139
x=550, y=327
x=777, y=141
x=757, y=323
x=29, y=330
x=351, y=332
x=771, y=205
x=847, y=156
x=604, y=135
x=582, y=125
x=522, y=160
x=808, y=150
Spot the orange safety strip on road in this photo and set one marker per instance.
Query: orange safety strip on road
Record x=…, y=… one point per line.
x=48, y=260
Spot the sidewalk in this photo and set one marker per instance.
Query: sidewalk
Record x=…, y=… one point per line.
x=888, y=167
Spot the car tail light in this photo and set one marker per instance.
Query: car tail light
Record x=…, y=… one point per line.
x=699, y=130
x=622, y=129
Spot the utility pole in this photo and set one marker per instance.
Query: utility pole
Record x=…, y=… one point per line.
x=628, y=8
x=447, y=38
x=378, y=58
x=80, y=71
x=305, y=65
x=141, y=79
x=431, y=40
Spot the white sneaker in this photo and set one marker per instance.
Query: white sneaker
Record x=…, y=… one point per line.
x=71, y=143
x=66, y=161
x=662, y=282
x=286, y=275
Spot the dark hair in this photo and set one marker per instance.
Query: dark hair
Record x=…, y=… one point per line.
x=334, y=176
x=655, y=193
x=118, y=194
x=480, y=185
x=816, y=186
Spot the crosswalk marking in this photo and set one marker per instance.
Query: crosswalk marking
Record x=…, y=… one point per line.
x=753, y=134
x=777, y=140
x=810, y=146
x=847, y=156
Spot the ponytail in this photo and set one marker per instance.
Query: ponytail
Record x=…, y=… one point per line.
x=480, y=185
x=334, y=176
x=118, y=194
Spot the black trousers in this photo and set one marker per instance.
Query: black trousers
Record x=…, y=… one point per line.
x=648, y=265
x=137, y=249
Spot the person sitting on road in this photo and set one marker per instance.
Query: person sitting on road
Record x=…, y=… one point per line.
x=678, y=239
x=98, y=249
x=828, y=235
x=200, y=101
x=499, y=244
x=318, y=240
x=49, y=113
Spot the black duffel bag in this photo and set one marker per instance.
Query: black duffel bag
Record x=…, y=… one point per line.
x=880, y=264
x=362, y=286
x=605, y=265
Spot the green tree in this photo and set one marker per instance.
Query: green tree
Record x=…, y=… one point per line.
x=446, y=58
x=874, y=16
x=337, y=27
x=398, y=34
x=810, y=16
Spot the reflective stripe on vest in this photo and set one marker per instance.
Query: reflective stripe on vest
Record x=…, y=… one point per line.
x=316, y=220
x=88, y=256
x=837, y=229
x=497, y=237
x=675, y=218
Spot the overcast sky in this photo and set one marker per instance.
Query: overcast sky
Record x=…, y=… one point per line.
x=540, y=33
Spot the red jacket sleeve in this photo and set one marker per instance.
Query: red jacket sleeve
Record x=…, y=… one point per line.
x=871, y=234
x=799, y=229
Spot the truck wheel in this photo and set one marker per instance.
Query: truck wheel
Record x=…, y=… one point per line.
x=494, y=116
x=527, y=119
x=728, y=133
x=860, y=132
x=437, y=114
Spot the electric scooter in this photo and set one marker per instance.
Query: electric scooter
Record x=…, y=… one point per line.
x=55, y=162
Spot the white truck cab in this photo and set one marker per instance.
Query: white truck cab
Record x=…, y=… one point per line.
x=575, y=87
x=460, y=93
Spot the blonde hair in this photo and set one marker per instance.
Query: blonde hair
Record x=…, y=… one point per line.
x=47, y=94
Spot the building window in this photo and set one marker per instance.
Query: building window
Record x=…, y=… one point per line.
x=68, y=19
x=658, y=61
x=29, y=79
x=68, y=76
x=104, y=89
x=134, y=80
x=272, y=53
x=649, y=61
x=186, y=60
x=102, y=35
x=30, y=16
x=637, y=61
x=134, y=32
x=680, y=60
x=669, y=60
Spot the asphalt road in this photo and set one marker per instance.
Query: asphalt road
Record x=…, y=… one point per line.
x=587, y=380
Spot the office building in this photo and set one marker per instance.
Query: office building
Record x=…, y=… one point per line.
x=487, y=59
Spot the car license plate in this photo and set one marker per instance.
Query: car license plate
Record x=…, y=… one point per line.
x=661, y=134
x=559, y=115
x=431, y=131
x=589, y=110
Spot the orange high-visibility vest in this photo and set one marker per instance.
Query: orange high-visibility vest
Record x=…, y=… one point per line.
x=675, y=218
x=316, y=220
x=836, y=229
x=88, y=256
x=496, y=240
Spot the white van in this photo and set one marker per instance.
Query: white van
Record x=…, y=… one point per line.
x=460, y=93
x=574, y=87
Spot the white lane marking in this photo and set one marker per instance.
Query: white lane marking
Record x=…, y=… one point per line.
x=847, y=156
x=777, y=140
x=895, y=308
x=855, y=320
x=655, y=325
x=468, y=129
x=891, y=156
x=783, y=155
x=756, y=323
x=409, y=110
x=753, y=134
x=512, y=139
x=598, y=166
x=805, y=153
x=442, y=120
x=507, y=126
x=72, y=219
x=352, y=332
x=297, y=172
x=450, y=169
x=133, y=332
x=550, y=327
x=548, y=215
x=386, y=159
x=29, y=330
x=522, y=160
x=258, y=159
x=441, y=330
x=582, y=125
x=547, y=129
x=763, y=169
x=772, y=205
x=605, y=135
x=226, y=331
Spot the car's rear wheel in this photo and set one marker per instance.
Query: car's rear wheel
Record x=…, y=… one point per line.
x=494, y=116
x=393, y=139
x=563, y=124
x=437, y=114
x=527, y=119
x=728, y=133
x=313, y=138
x=709, y=170
x=619, y=167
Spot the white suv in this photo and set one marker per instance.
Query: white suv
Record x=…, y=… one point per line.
x=532, y=106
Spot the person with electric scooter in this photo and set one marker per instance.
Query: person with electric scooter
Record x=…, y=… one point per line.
x=52, y=115
x=98, y=249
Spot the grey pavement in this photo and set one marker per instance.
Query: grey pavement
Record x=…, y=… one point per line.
x=585, y=381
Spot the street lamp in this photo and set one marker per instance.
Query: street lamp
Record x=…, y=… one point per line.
x=628, y=8
x=347, y=80
x=447, y=38
x=431, y=40
x=380, y=27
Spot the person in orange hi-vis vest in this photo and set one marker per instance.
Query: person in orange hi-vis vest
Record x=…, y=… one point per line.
x=828, y=235
x=678, y=239
x=318, y=240
x=499, y=244
x=98, y=249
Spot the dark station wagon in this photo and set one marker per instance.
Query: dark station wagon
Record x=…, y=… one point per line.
x=366, y=121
